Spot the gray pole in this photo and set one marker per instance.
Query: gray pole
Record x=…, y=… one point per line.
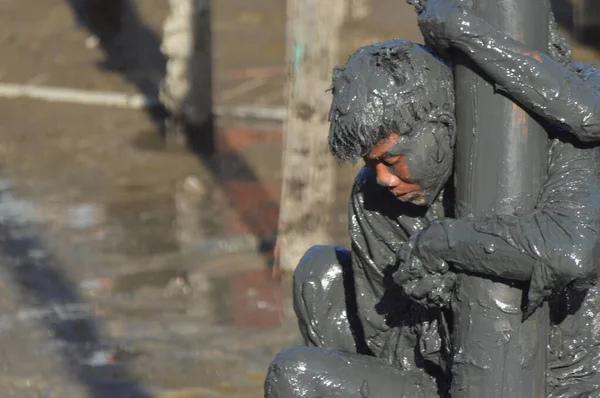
x=501, y=163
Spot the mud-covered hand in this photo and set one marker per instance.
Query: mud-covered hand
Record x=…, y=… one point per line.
x=440, y=21
x=423, y=276
x=431, y=290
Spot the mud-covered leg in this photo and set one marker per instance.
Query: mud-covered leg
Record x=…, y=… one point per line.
x=321, y=281
x=574, y=346
x=309, y=372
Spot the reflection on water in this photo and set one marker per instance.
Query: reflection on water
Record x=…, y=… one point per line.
x=85, y=215
x=12, y=209
x=245, y=299
x=192, y=241
x=212, y=279
x=166, y=254
x=167, y=280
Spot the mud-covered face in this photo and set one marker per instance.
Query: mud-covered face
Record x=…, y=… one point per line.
x=414, y=167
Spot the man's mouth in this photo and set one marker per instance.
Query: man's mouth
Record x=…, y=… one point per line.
x=407, y=197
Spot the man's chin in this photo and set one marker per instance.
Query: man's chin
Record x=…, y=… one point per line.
x=420, y=201
x=414, y=198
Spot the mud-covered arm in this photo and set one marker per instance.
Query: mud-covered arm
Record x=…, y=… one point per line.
x=531, y=78
x=553, y=246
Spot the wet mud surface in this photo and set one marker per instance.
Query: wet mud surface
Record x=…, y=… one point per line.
x=126, y=268
x=108, y=286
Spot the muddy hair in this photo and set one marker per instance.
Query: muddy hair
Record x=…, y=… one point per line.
x=394, y=86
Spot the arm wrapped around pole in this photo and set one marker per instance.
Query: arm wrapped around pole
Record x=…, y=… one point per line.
x=501, y=162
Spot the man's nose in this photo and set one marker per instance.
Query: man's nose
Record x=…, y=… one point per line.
x=384, y=177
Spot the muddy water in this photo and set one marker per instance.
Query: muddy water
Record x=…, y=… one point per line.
x=126, y=268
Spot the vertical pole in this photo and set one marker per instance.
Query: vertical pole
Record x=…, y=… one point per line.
x=501, y=164
x=186, y=91
x=308, y=167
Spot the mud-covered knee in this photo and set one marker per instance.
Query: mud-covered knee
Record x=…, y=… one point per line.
x=283, y=373
x=321, y=263
x=320, y=297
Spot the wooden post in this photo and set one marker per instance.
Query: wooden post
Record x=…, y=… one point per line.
x=501, y=164
x=308, y=167
x=186, y=90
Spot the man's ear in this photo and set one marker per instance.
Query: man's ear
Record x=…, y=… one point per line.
x=446, y=119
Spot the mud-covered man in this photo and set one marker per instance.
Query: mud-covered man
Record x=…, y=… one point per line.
x=393, y=106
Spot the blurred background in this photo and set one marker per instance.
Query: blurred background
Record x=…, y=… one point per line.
x=138, y=237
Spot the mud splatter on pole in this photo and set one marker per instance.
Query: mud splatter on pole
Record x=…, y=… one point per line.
x=501, y=163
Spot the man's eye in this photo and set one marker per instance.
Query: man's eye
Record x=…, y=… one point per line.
x=390, y=162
